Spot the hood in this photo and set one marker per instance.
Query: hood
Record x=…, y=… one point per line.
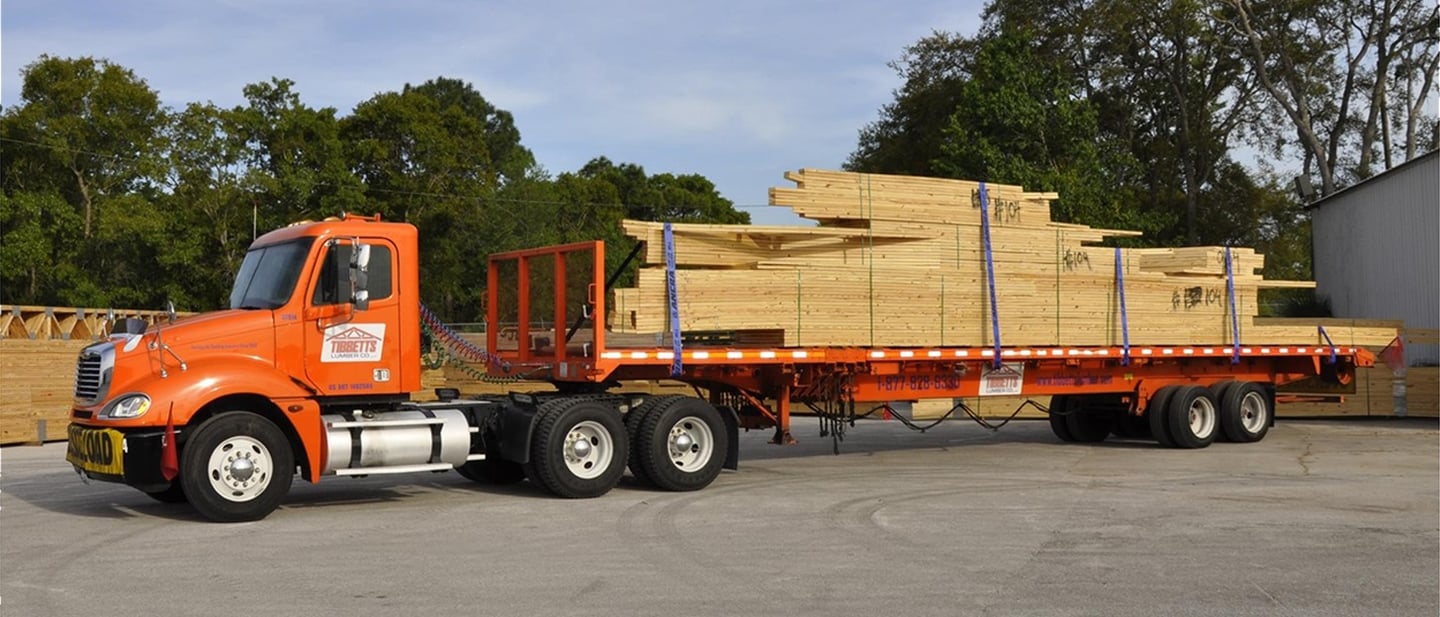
x=191, y=339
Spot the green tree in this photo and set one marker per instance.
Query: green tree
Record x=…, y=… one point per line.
x=1331, y=72
x=1020, y=120
x=212, y=213
x=82, y=149
x=688, y=198
x=908, y=137
x=293, y=156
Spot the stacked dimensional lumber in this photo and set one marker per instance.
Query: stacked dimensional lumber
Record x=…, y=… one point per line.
x=900, y=261
x=37, y=381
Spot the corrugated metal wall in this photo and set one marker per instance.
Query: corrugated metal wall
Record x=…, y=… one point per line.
x=1377, y=255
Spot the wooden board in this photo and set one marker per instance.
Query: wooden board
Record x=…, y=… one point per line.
x=904, y=261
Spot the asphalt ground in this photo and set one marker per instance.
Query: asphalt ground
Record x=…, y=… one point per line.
x=1320, y=518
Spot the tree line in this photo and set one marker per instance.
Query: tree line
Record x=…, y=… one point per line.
x=112, y=199
x=1137, y=113
x=1142, y=114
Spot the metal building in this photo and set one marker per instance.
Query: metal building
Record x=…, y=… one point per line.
x=1377, y=250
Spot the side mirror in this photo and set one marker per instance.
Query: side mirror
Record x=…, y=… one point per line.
x=360, y=276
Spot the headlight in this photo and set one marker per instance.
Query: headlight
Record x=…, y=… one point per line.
x=130, y=406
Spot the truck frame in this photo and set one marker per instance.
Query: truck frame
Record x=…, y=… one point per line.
x=311, y=371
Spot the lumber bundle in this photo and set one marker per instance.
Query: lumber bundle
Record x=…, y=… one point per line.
x=902, y=261
x=37, y=381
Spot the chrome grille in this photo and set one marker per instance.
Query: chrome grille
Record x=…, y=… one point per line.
x=91, y=370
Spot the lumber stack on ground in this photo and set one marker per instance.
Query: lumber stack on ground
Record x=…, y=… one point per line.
x=37, y=381
x=902, y=261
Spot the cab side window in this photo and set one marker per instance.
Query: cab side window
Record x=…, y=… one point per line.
x=334, y=284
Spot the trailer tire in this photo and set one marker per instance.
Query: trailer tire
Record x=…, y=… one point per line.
x=495, y=471
x=236, y=467
x=1245, y=413
x=1158, y=413
x=1218, y=390
x=683, y=444
x=638, y=440
x=1088, y=423
x=1194, y=417
x=1059, y=410
x=174, y=494
x=579, y=448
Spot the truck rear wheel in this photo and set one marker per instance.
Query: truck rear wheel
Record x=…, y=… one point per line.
x=682, y=444
x=579, y=448
x=1194, y=419
x=236, y=467
x=1245, y=413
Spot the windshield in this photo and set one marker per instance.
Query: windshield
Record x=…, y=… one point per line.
x=268, y=275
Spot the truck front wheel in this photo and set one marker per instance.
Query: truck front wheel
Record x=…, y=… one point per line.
x=237, y=467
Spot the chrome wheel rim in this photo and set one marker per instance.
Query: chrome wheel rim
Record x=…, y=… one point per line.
x=240, y=468
x=589, y=449
x=1254, y=413
x=1201, y=418
x=690, y=444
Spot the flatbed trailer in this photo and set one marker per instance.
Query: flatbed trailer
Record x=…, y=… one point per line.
x=1176, y=394
x=310, y=373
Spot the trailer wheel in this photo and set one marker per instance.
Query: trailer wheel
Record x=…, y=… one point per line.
x=174, y=494
x=1058, y=411
x=639, y=440
x=683, y=444
x=579, y=448
x=1158, y=413
x=1217, y=391
x=492, y=471
x=237, y=467
x=1088, y=423
x=1194, y=417
x=1245, y=413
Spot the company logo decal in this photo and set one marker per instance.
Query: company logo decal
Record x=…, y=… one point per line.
x=353, y=342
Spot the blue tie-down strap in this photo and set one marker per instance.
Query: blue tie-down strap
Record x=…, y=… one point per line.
x=1234, y=317
x=1334, y=355
x=1124, y=321
x=990, y=270
x=676, y=366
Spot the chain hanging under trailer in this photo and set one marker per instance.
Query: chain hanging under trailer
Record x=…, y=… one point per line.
x=834, y=407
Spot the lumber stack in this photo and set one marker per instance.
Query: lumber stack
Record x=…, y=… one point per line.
x=902, y=261
x=37, y=382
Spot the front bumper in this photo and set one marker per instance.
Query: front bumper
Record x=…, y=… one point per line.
x=140, y=459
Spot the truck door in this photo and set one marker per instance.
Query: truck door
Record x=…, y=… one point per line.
x=351, y=351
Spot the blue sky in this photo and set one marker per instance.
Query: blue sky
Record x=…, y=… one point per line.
x=738, y=91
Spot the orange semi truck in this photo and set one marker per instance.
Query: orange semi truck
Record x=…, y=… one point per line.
x=312, y=367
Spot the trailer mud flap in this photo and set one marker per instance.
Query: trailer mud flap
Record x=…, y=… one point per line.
x=732, y=430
